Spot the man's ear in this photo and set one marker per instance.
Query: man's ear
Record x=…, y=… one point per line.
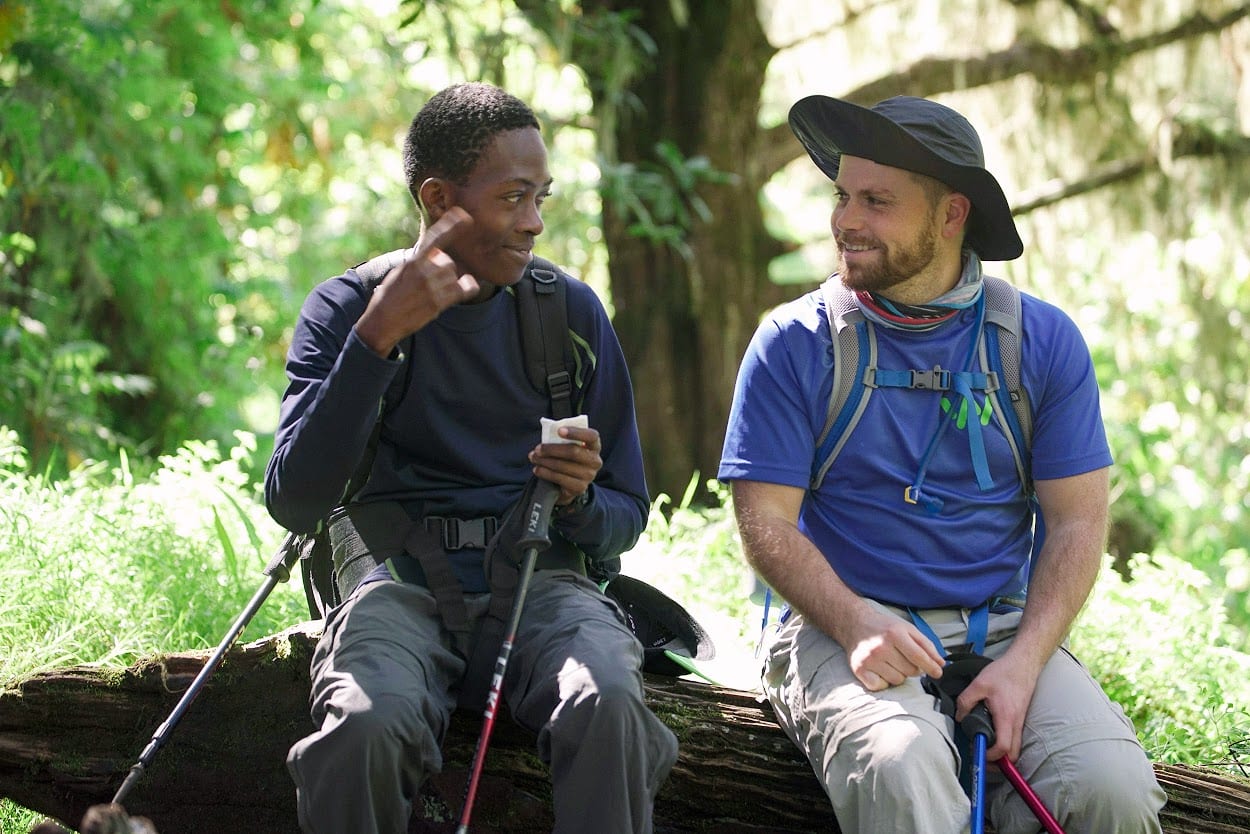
x=958, y=212
x=436, y=197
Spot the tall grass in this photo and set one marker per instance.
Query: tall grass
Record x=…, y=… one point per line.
x=112, y=564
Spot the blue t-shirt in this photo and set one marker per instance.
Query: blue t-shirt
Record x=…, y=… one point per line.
x=881, y=546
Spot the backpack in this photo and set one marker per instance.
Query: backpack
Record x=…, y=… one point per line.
x=543, y=311
x=856, y=375
x=667, y=631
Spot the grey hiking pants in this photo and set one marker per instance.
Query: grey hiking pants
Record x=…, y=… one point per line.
x=383, y=676
x=888, y=760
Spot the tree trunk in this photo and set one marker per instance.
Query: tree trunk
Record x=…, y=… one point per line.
x=684, y=321
x=69, y=737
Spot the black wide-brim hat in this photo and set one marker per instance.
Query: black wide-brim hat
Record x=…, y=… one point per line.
x=918, y=135
x=661, y=624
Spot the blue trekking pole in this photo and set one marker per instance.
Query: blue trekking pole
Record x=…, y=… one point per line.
x=978, y=726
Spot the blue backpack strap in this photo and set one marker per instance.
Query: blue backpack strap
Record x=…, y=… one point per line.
x=853, y=346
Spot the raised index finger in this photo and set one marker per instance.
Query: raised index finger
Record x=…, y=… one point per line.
x=449, y=228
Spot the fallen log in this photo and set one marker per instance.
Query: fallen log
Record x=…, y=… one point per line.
x=69, y=737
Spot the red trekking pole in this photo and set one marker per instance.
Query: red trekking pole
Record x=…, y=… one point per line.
x=533, y=540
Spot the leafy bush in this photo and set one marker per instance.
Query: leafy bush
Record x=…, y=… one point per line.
x=1163, y=648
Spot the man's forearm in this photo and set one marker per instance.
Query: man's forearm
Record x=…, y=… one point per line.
x=792, y=565
x=1076, y=519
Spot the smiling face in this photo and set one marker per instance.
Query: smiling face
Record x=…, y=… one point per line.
x=503, y=193
x=896, y=234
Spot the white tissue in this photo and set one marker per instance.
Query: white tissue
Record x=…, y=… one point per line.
x=551, y=428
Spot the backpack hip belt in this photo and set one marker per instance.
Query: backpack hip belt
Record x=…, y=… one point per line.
x=363, y=536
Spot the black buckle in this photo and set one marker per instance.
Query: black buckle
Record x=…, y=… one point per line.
x=560, y=385
x=459, y=533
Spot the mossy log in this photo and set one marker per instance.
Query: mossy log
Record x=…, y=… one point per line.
x=69, y=737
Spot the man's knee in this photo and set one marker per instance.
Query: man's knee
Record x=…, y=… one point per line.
x=1114, y=781
x=1097, y=786
x=899, y=774
x=594, y=700
x=610, y=711
x=387, y=727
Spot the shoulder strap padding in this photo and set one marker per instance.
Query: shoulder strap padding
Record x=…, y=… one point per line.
x=542, y=304
x=372, y=271
x=1000, y=350
x=853, y=348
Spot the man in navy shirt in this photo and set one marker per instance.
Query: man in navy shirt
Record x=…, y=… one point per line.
x=460, y=444
x=916, y=542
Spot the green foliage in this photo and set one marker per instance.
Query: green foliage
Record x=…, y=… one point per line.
x=1162, y=647
x=109, y=565
x=112, y=250
x=1170, y=334
x=660, y=200
x=14, y=819
x=693, y=554
x=161, y=162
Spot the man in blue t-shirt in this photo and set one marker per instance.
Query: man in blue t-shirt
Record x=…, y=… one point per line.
x=459, y=446
x=916, y=543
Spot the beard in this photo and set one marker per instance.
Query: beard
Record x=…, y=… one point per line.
x=893, y=265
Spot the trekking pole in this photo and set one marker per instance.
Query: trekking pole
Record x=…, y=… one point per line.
x=978, y=726
x=1029, y=796
x=278, y=570
x=534, y=539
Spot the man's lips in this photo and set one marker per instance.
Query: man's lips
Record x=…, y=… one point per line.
x=855, y=251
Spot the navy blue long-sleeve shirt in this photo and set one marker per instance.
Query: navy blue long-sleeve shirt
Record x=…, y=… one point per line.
x=456, y=442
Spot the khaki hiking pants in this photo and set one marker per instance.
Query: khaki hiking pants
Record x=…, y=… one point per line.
x=889, y=763
x=382, y=695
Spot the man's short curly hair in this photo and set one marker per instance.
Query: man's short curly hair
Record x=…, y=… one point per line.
x=448, y=135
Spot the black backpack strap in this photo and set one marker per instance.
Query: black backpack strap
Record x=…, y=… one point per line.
x=542, y=304
x=426, y=546
x=316, y=559
x=372, y=271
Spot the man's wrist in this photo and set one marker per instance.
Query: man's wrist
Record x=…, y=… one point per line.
x=578, y=503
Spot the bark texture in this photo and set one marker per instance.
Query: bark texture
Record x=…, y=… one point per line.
x=69, y=737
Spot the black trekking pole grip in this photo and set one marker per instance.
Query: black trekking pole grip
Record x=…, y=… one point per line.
x=538, y=516
x=277, y=571
x=286, y=557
